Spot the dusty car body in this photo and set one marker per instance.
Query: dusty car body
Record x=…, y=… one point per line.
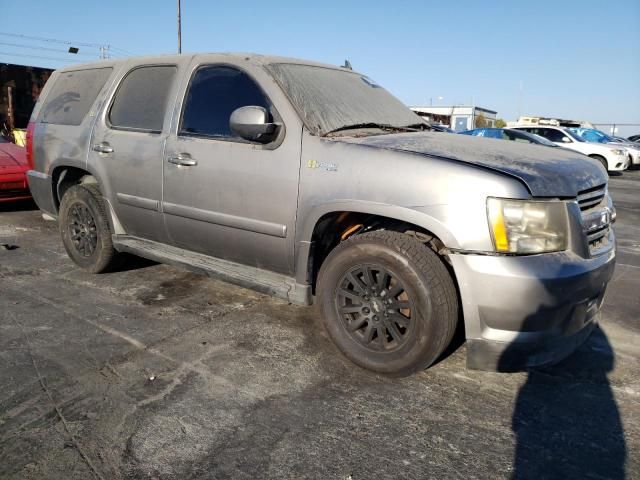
x=318, y=184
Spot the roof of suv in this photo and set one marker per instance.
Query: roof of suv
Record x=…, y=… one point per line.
x=235, y=57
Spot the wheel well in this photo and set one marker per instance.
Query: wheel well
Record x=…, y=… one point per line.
x=64, y=178
x=336, y=227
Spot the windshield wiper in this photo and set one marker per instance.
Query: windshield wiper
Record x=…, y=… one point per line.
x=381, y=126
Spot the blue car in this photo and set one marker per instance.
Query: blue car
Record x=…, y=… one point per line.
x=509, y=134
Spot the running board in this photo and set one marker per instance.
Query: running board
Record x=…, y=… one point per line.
x=263, y=281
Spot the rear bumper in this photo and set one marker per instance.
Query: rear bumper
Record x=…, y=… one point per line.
x=42, y=191
x=13, y=185
x=526, y=311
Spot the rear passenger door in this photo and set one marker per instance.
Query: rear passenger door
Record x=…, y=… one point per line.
x=128, y=142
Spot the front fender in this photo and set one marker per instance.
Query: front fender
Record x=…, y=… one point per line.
x=413, y=215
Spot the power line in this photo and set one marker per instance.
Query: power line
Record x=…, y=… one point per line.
x=34, y=47
x=65, y=60
x=52, y=40
x=105, y=47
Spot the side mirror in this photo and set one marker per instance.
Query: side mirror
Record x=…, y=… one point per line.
x=252, y=123
x=566, y=140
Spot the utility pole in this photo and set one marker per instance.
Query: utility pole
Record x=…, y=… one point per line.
x=104, y=52
x=179, y=30
x=10, y=120
x=520, y=101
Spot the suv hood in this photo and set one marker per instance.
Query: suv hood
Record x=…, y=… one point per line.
x=546, y=171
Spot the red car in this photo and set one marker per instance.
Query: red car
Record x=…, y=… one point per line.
x=13, y=172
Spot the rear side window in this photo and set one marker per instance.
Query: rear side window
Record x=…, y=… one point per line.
x=214, y=93
x=142, y=98
x=72, y=96
x=550, y=134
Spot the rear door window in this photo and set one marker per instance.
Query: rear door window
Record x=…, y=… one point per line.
x=551, y=134
x=141, y=100
x=72, y=96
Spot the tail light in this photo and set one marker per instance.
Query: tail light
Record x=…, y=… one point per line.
x=30, y=159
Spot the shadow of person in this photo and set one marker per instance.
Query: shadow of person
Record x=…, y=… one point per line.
x=566, y=421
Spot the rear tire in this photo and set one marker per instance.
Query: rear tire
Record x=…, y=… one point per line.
x=388, y=302
x=602, y=160
x=85, y=229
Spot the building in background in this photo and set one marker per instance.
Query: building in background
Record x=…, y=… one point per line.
x=20, y=87
x=459, y=117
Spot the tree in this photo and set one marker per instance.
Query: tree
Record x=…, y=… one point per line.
x=500, y=123
x=481, y=121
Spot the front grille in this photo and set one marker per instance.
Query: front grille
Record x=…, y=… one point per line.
x=596, y=219
x=591, y=197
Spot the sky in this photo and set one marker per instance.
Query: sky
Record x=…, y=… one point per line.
x=575, y=59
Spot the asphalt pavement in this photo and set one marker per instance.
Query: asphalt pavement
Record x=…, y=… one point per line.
x=155, y=372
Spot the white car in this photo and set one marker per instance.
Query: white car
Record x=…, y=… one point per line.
x=612, y=157
x=593, y=135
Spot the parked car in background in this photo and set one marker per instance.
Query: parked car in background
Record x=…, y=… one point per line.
x=508, y=134
x=634, y=138
x=612, y=158
x=308, y=181
x=13, y=170
x=441, y=128
x=597, y=136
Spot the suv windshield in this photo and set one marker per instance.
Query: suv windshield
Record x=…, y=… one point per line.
x=591, y=135
x=328, y=99
x=574, y=135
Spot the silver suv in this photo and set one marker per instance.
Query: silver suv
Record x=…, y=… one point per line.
x=311, y=182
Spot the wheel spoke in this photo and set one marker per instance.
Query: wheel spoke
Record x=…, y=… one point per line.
x=349, y=294
x=368, y=333
x=383, y=279
x=393, y=330
x=400, y=320
x=356, y=324
x=368, y=276
x=401, y=305
x=351, y=309
x=395, y=291
x=357, y=283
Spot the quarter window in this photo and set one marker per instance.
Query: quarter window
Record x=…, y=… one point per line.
x=72, y=95
x=142, y=98
x=551, y=134
x=214, y=93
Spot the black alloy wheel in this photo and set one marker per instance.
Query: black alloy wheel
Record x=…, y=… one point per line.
x=375, y=307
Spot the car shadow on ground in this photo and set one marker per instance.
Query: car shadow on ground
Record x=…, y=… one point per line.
x=566, y=421
x=18, y=206
x=128, y=262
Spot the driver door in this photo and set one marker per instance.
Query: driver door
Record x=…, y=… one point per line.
x=224, y=196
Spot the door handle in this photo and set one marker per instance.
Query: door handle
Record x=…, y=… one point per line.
x=103, y=147
x=183, y=160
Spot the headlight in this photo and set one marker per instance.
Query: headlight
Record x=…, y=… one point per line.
x=617, y=151
x=524, y=226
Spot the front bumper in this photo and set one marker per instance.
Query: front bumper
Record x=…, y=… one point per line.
x=525, y=311
x=618, y=163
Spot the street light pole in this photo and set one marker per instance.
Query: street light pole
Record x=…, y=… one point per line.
x=179, y=30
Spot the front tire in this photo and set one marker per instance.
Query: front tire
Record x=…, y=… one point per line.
x=85, y=229
x=388, y=302
x=602, y=160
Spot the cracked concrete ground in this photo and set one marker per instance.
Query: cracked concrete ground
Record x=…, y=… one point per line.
x=155, y=372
